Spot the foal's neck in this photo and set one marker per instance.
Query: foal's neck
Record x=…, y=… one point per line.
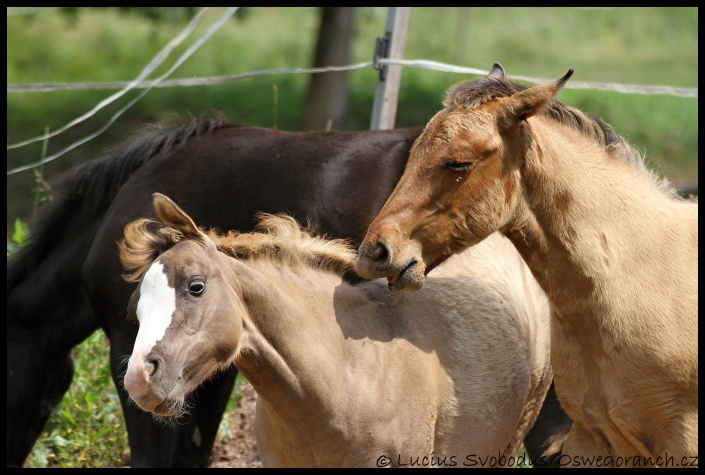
x=583, y=213
x=275, y=355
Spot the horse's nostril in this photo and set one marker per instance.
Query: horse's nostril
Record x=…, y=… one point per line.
x=151, y=367
x=380, y=253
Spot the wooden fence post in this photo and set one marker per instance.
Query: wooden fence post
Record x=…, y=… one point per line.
x=390, y=46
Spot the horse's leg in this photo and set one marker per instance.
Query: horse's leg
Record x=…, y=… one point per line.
x=679, y=445
x=206, y=413
x=676, y=446
x=41, y=333
x=544, y=441
x=188, y=442
x=580, y=450
x=37, y=378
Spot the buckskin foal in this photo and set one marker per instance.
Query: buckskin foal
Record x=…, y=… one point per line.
x=614, y=247
x=347, y=373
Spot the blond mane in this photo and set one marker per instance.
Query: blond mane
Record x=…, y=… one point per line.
x=279, y=239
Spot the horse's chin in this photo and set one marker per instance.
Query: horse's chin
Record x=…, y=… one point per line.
x=170, y=408
x=171, y=405
x=148, y=402
x=174, y=406
x=411, y=278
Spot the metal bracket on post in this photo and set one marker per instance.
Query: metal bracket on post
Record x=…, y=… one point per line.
x=381, y=51
x=389, y=46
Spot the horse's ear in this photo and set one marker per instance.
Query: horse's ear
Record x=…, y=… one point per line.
x=497, y=72
x=170, y=214
x=528, y=102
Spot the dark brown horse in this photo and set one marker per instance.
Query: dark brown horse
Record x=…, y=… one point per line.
x=224, y=174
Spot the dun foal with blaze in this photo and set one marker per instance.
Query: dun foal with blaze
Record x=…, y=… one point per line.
x=347, y=373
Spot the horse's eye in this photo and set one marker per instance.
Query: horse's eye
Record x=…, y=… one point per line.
x=460, y=166
x=196, y=287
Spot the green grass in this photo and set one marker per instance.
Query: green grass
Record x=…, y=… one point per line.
x=625, y=45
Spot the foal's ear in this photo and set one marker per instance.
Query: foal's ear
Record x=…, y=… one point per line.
x=170, y=214
x=529, y=102
x=497, y=72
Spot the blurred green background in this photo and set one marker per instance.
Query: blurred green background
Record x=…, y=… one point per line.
x=645, y=46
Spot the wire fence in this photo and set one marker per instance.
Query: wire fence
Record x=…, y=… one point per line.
x=140, y=82
x=418, y=63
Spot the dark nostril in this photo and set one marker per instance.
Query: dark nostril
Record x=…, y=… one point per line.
x=151, y=367
x=379, y=253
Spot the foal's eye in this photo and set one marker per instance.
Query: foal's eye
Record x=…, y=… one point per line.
x=196, y=287
x=460, y=166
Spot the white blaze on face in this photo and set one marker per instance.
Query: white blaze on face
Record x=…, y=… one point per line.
x=155, y=309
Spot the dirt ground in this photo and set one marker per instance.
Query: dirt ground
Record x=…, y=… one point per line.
x=239, y=448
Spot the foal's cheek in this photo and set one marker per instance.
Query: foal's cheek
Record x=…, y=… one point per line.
x=481, y=208
x=228, y=329
x=219, y=346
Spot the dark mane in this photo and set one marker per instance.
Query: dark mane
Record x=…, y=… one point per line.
x=281, y=240
x=471, y=94
x=83, y=194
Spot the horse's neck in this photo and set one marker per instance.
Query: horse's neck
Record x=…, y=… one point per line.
x=275, y=354
x=586, y=219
